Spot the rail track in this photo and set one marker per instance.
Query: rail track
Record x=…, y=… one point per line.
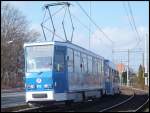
x=133, y=103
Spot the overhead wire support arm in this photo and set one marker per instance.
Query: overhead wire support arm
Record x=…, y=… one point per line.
x=54, y=14
x=43, y=31
x=42, y=26
x=47, y=8
x=63, y=25
x=59, y=3
x=71, y=24
x=51, y=21
x=54, y=34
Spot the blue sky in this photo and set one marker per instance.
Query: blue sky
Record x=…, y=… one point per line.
x=102, y=12
x=109, y=15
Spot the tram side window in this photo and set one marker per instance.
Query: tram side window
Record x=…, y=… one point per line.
x=99, y=67
x=94, y=66
x=59, y=61
x=102, y=66
x=84, y=62
x=70, y=60
x=77, y=62
x=90, y=65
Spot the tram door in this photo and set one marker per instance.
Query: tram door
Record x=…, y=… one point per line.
x=59, y=73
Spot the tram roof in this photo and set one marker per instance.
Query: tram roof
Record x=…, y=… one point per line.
x=68, y=44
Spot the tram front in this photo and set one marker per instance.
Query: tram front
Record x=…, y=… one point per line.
x=38, y=72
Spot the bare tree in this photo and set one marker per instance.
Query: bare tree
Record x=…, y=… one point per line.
x=14, y=32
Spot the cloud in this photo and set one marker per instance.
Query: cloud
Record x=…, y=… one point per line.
x=123, y=39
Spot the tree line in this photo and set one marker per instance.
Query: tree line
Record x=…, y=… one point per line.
x=15, y=31
x=136, y=80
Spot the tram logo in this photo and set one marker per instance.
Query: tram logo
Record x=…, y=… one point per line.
x=38, y=80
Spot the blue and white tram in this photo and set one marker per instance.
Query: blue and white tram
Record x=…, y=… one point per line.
x=62, y=71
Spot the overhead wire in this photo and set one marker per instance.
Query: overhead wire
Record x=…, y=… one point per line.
x=139, y=39
x=93, y=22
x=86, y=27
x=130, y=9
x=77, y=19
x=130, y=22
x=124, y=5
x=90, y=26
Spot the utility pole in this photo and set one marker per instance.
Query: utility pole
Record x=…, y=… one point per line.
x=144, y=70
x=128, y=70
x=143, y=60
x=113, y=52
x=121, y=74
x=128, y=63
x=147, y=59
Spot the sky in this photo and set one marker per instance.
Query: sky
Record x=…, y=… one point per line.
x=110, y=16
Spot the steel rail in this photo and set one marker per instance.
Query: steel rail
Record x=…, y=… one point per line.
x=116, y=105
x=127, y=100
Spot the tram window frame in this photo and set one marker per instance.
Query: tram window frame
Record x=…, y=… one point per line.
x=36, y=50
x=84, y=62
x=77, y=61
x=90, y=64
x=102, y=66
x=68, y=60
x=99, y=67
x=62, y=68
x=94, y=65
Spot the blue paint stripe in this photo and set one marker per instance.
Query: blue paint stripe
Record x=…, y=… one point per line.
x=44, y=77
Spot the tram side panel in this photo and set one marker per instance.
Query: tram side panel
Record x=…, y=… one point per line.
x=83, y=74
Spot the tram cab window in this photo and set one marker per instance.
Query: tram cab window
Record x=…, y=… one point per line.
x=39, y=58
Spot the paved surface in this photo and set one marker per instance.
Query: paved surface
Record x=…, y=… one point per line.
x=12, y=99
x=12, y=90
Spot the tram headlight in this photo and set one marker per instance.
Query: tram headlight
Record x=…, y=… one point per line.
x=31, y=86
x=47, y=86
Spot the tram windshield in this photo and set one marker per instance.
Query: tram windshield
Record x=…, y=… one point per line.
x=39, y=58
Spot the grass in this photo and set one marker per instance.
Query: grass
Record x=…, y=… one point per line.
x=146, y=110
